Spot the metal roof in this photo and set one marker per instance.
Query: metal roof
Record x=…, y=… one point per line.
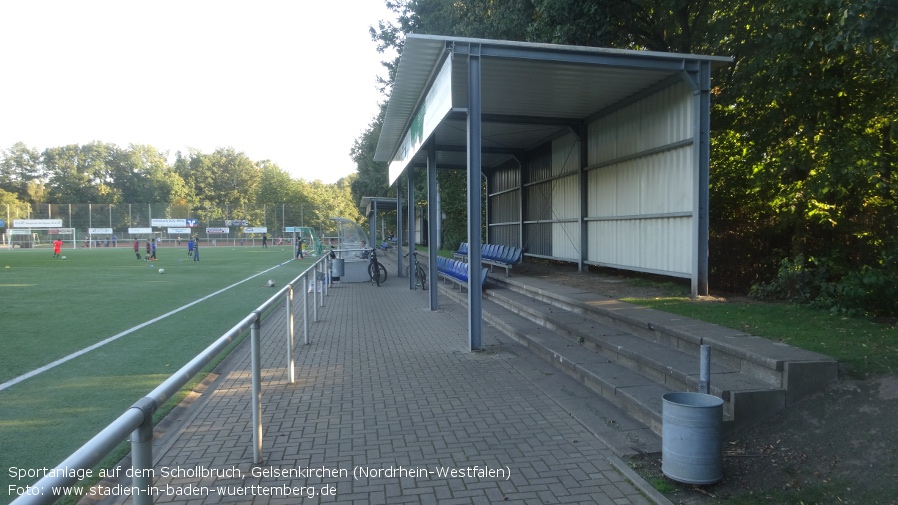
x=369, y=203
x=531, y=93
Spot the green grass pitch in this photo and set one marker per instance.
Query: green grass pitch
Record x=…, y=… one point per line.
x=51, y=308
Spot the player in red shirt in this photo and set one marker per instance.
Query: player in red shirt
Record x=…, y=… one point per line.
x=57, y=248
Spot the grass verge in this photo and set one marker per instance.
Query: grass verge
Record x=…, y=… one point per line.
x=864, y=348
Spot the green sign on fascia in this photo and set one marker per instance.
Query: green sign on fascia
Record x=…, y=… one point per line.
x=436, y=105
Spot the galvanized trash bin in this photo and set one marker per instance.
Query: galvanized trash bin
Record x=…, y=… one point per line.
x=337, y=268
x=692, y=437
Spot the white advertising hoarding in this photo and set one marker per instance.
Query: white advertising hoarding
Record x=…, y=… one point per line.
x=165, y=223
x=136, y=231
x=37, y=223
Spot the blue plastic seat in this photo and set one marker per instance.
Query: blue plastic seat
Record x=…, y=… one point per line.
x=516, y=258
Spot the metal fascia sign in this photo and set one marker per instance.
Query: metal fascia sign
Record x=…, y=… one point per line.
x=436, y=105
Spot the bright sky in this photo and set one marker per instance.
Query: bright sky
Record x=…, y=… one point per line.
x=291, y=81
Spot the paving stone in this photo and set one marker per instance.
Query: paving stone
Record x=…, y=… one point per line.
x=386, y=384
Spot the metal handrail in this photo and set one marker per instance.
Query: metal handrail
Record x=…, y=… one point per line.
x=138, y=419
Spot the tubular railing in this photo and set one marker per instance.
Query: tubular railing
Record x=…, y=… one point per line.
x=138, y=419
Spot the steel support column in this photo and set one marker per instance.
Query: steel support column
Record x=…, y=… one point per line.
x=583, y=138
x=475, y=219
x=432, y=218
x=411, y=225
x=702, y=153
x=399, y=257
x=372, y=225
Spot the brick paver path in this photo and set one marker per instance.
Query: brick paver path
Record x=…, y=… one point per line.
x=388, y=407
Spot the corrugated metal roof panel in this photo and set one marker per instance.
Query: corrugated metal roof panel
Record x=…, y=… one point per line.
x=530, y=92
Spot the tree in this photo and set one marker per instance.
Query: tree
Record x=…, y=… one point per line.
x=17, y=209
x=327, y=201
x=82, y=174
x=19, y=166
x=372, y=177
x=225, y=177
x=276, y=185
x=813, y=116
x=145, y=176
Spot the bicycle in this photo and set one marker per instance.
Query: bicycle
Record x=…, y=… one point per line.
x=420, y=274
x=376, y=271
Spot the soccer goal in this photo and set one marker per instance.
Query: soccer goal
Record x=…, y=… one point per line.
x=40, y=238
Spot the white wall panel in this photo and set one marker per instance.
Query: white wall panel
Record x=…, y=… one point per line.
x=565, y=155
x=630, y=200
x=602, y=191
x=505, y=207
x=657, y=245
x=656, y=120
x=565, y=240
x=566, y=197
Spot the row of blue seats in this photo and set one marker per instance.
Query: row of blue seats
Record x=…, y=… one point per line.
x=504, y=256
x=457, y=271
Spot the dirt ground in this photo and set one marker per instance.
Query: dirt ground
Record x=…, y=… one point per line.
x=839, y=446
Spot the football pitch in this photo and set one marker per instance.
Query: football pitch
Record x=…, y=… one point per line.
x=51, y=310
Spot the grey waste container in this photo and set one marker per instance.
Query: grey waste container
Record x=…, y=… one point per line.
x=692, y=437
x=337, y=267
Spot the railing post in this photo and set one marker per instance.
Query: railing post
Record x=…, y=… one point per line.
x=305, y=308
x=315, y=296
x=322, y=287
x=319, y=283
x=142, y=453
x=291, y=376
x=327, y=277
x=255, y=340
x=704, y=373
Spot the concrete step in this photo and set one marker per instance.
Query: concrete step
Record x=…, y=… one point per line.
x=656, y=362
x=797, y=372
x=630, y=391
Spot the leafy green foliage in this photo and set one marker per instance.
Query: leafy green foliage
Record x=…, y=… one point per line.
x=16, y=208
x=222, y=185
x=371, y=179
x=455, y=208
x=809, y=113
x=869, y=290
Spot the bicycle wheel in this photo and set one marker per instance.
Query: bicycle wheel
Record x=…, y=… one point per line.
x=378, y=273
x=421, y=276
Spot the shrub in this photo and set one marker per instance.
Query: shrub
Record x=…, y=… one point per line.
x=864, y=290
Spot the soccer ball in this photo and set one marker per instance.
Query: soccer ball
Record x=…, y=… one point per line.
x=161, y=270
x=62, y=257
x=270, y=283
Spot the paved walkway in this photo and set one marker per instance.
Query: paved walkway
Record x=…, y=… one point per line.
x=388, y=407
